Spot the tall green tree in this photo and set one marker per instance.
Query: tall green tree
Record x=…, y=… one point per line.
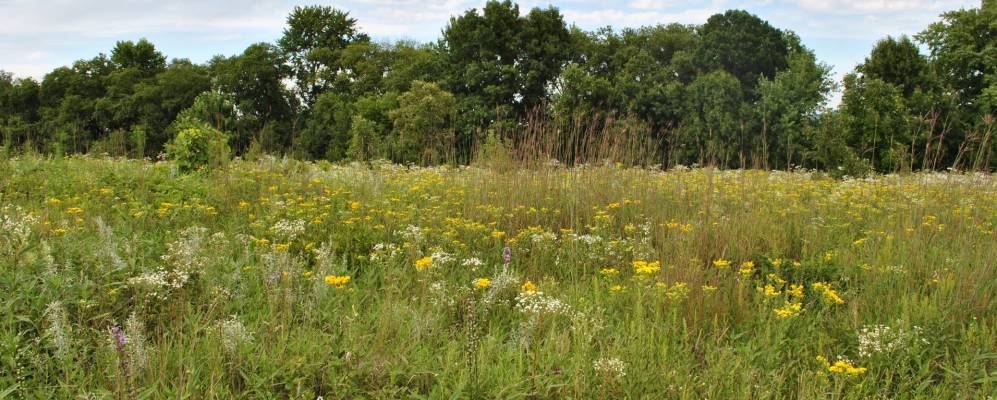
x=423, y=124
x=313, y=42
x=744, y=45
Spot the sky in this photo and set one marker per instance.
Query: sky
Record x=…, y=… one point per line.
x=37, y=36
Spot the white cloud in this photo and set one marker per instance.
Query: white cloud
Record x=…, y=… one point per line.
x=880, y=6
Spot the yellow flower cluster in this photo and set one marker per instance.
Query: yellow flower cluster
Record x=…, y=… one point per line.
x=482, y=283
x=339, y=281
x=789, y=310
x=842, y=367
x=423, y=263
x=829, y=293
x=646, y=268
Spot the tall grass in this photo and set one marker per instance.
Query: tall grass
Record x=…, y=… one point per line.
x=123, y=279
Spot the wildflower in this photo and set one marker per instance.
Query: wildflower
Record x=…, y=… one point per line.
x=617, y=288
x=423, y=263
x=709, y=289
x=646, y=268
x=529, y=287
x=747, y=268
x=789, y=310
x=770, y=291
x=74, y=210
x=339, y=281
x=498, y=234
x=845, y=367
x=795, y=291
x=506, y=254
x=282, y=246
x=829, y=293
x=482, y=283
x=613, y=367
x=721, y=263
x=609, y=272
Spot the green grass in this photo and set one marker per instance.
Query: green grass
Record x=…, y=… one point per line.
x=218, y=282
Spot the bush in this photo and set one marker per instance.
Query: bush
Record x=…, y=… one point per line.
x=197, y=146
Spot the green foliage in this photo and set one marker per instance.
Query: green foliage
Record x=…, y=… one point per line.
x=423, y=124
x=314, y=41
x=197, y=146
x=744, y=45
x=529, y=74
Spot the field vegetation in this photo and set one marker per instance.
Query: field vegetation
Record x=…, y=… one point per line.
x=276, y=278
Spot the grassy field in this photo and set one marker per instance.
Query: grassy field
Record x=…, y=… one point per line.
x=284, y=279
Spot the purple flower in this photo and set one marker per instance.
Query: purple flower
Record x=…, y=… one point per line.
x=506, y=254
x=120, y=339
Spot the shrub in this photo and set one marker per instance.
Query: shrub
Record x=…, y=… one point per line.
x=197, y=145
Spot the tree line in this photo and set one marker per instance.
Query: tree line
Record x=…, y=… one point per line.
x=734, y=92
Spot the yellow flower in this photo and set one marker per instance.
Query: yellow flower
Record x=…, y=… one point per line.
x=646, y=268
x=721, y=263
x=617, y=288
x=747, y=268
x=795, y=291
x=307, y=274
x=789, y=310
x=423, y=263
x=282, y=246
x=845, y=367
x=708, y=288
x=354, y=205
x=482, y=283
x=337, y=280
x=529, y=287
x=770, y=291
x=829, y=293
x=498, y=234
x=74, y=210
x=609, y=271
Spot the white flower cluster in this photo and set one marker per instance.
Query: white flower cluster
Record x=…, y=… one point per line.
x=882, y=339
x=538, y=303
x=384, y=252
x=185, y=253
x=412, y=234
x=232, y=334
x=442, y=258
x=472, y=262
x=502, y=281
x=610, y=366
x=157, y=284
x=15, y=226
x=543, y=237
x=288, y=230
